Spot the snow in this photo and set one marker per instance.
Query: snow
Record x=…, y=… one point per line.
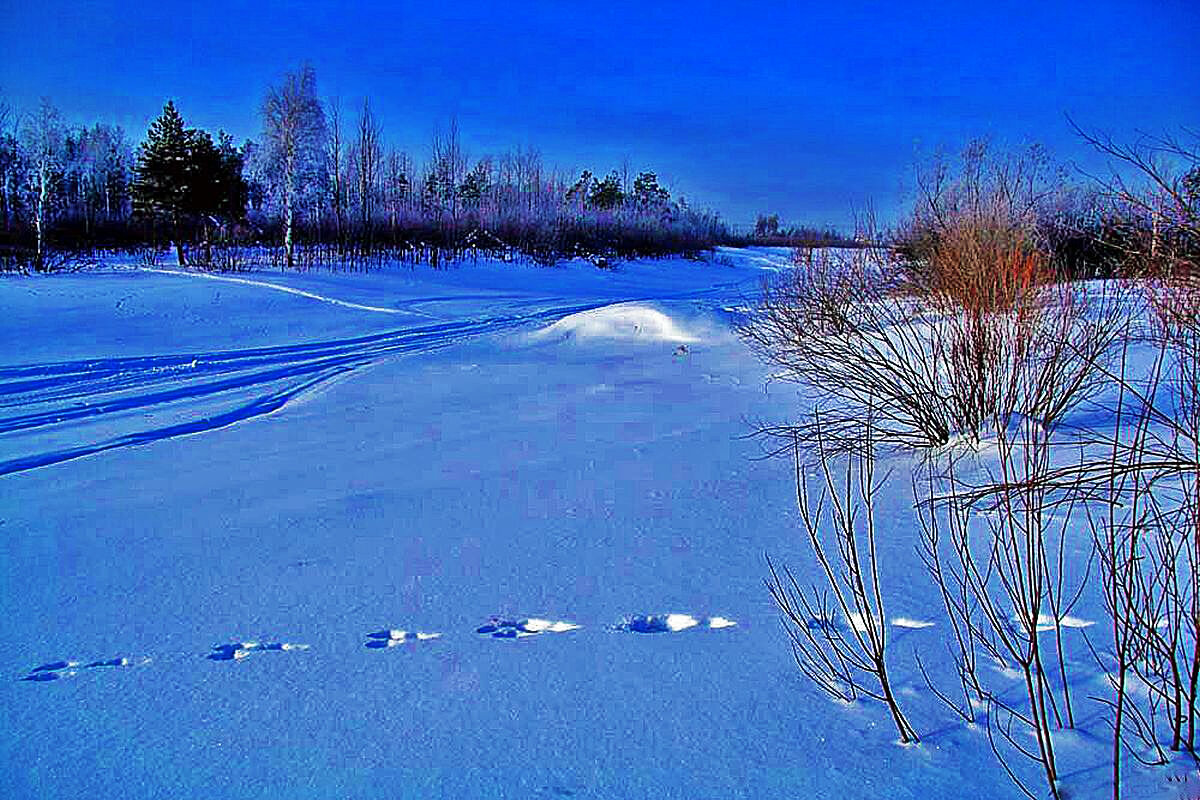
x=623, y=321
x=250, y=527
x=913, y=624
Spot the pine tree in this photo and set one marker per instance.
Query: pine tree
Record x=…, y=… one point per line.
x=647, y=193
x=607, y=194
x=183, y=177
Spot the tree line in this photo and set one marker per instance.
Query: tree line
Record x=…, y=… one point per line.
x=319, y=186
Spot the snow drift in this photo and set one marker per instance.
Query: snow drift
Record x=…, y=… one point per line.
x=621, y=321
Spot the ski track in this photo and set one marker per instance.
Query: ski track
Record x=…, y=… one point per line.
x=246, y=383
x=281, y=288
x=57, y=396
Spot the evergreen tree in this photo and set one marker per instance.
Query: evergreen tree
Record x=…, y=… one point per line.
x=579, y=192
x=607, y=194
x=184, y=178
x=647, y=193
x=476, y=185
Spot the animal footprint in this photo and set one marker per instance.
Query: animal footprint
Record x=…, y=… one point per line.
x=912, y=624
x=55, y=670
x=669, y=623
x=236, y=651
x=380, y=640
x=500, y=628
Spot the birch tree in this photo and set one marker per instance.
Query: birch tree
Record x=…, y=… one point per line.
x=42, y=138
x=293, y=134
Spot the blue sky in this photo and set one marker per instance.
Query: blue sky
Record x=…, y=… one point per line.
x=809, y=111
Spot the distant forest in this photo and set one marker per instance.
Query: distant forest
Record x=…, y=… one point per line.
x=320, y=187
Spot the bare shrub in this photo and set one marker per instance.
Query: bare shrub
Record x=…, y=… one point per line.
x=998, y=559
x=845, y=658
x=927, y=367
x=971, y=215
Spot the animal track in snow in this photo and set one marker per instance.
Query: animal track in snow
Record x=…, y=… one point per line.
x=669, y=623
x=393, y=637
x=908, y=622
x=859, y=624
x=501, y=628
x=1046, y=623
x=54, y=670
x=236, y=651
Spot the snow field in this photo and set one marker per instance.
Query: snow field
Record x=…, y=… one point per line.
x=187, y=457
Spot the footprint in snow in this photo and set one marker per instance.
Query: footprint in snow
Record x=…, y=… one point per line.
x=393, y=637
x=669, y=623
x=859, y=624
x=501, y=628
x=55, y=670
x=236, y=651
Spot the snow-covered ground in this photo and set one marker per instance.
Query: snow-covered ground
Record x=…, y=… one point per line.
x=489, y=531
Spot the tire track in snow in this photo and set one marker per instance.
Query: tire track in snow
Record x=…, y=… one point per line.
x=56, y=397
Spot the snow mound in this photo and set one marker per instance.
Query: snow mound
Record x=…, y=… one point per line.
x=620, y=321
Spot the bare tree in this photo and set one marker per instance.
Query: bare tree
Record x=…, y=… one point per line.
x=334, y=162
x=293, y=132
x=42, y=141
x=368, y=157
x=10, y=161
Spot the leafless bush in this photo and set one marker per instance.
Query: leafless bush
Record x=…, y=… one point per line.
x=845, y=658
x=999, y=562
x=972, y=214
x=929, y=369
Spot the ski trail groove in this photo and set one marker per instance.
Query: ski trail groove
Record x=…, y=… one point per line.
x=58, y=397
x=287, y=289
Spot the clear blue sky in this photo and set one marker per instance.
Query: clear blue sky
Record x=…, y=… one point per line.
x=807, y=110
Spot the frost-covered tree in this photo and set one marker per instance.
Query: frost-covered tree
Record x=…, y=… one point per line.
x=11, y=167
x=367, y=158
x=42, y=144
x=293, y=137
x=335, y=146
x=96, y=173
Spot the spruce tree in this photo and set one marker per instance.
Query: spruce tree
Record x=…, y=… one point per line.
x=163, y=167
x=183, y=177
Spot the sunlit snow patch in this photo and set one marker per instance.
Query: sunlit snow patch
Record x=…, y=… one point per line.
x=915, y=624
x=394, y=637
x=669, y=623
x=501, y=628
x=620, y=321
